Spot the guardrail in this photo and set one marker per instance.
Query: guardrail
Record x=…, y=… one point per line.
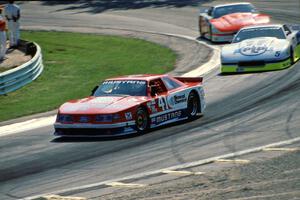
x=18, y=77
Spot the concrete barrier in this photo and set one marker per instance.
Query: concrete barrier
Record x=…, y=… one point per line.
x=18, y=77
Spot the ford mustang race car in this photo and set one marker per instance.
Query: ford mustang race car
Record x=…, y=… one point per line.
x=261, y=48
x=220, y=23
x=131, y=104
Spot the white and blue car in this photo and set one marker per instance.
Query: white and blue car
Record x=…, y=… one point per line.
x=261, y=48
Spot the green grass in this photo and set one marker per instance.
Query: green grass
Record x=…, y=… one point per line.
x=75, y=63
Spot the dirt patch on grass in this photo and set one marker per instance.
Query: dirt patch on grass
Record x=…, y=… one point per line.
x=12, y=59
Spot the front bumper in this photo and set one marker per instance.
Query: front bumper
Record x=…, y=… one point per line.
x=94, y=130
x=236, y=68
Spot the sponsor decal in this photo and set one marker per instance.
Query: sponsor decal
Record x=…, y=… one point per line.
x=180, y=98
x=171, y=102
x=151, y=105
x=277, y=53
x=254, y=48
x=125, y=82
x=167, y=116
x=162, y=103
x=128, y=116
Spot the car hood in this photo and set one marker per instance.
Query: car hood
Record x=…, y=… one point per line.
x=235, y=21
x=264, y=48
x=101, y=105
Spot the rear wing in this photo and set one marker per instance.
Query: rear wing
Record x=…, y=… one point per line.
x=187, y=80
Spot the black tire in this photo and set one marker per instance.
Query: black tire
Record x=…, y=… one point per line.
x=142, y=120
x=210, y=34
x=292, y=56
x=193, y=105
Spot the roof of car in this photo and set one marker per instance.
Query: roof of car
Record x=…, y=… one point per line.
x=142, y=77
x=232, y=4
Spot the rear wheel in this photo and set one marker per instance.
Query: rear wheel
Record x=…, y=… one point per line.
x=193, y=105
x=142, y=120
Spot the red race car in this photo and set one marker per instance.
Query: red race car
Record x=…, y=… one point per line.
x=131, y=104
x=220, y=23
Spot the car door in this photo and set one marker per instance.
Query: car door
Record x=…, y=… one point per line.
x=159, y=105
x=160, y=95
x=291, y=36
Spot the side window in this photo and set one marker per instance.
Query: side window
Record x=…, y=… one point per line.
x=286, y=29
x=209, y=11
x=159, y=86
x=169, y=83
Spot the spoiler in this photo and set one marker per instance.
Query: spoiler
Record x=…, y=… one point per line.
x=190, y=79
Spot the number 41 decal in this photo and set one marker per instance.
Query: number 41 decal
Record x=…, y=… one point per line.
x=162, y=103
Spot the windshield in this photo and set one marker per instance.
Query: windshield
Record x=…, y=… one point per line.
x=120, y=87
x=225, y=10
x=259, y=32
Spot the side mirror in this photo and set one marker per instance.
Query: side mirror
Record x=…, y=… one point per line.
x=153, y=90
x=94, y=90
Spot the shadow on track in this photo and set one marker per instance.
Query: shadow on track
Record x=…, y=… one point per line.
x=207, y=41
x=113, y=138
x=245, y=73
x=103, y=5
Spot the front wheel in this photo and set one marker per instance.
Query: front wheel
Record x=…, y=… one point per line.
x=142, y=120
x=210, y=34
x=292, y=56
x=193, y=105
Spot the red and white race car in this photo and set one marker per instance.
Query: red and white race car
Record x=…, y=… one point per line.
x=131, y=104
x=220, y=23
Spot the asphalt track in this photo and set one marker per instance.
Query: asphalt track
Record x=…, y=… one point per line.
x=243, y=111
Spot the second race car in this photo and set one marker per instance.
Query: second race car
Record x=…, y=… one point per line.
x=261, y=48
x=131, y=104
x=220, y=23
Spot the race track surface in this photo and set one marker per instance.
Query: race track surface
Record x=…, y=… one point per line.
x=243, y=111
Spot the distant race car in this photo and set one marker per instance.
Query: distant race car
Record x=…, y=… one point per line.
x=261, y=48
x=131, y=104
x=220, y=23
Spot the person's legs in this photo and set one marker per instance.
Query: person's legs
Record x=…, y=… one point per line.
x=11, y=33
x=17, y=33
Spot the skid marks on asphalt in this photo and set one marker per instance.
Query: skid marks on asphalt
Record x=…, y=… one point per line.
x=167, y=175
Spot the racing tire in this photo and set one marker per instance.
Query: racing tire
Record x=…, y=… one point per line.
x=193, y=106
x=292, y=56
x=142, y=120
x=210, y=34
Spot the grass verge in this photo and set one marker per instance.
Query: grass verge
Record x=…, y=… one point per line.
x=74, y=63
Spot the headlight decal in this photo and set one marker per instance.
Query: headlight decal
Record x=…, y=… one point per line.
x=104, y=118
x=64, y=118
